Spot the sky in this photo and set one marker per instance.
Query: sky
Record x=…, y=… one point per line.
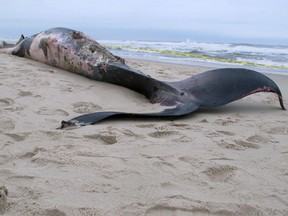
x=238, y=21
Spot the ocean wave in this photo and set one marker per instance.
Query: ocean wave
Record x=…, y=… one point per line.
x=238, y=54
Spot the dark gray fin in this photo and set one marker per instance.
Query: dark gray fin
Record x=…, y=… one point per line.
x=92, y=118
x=23, y=47
x=221, y=86
x=20, y=39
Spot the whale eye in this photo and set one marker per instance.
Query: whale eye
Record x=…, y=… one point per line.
x=77, y=35
x=92, y=48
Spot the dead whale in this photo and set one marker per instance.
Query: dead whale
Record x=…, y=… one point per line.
x=75, y=52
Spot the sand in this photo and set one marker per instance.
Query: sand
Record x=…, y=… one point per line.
x=226, y=161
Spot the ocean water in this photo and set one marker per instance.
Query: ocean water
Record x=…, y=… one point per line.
x=264, y=58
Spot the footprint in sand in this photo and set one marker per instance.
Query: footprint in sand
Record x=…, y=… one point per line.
x=277, y=130
x=227, y=133
x=107, y=139
x=237, y=144
x=18, y=137
x=188, y=159
x=46, y=136
x=53, y=212
x=47, y=111
x=112, y=135
x=227, y=122
x=6, y=102
x=6, y=124
x=204, y=121
x=47, y=70
x=183, y=139
x=145, y=125
x=149, y=192
x=165, y=166
x=181, y=205
x=99, y=187
x=3, y=199
x=130, y=133
x=179, y=125
x=87, y=211
x=24, y=93
x=220, y=173
x=9, y=104
x=31, y=154
x=162, y=134
x=170, y=209
x=86, y=107
x=260, y=139
x=217, y=133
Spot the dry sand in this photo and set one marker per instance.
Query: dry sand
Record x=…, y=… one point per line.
x=231, y=160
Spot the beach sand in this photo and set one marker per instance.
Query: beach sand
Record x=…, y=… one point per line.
x=230, y=160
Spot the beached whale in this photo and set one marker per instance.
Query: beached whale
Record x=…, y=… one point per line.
x=75, y=52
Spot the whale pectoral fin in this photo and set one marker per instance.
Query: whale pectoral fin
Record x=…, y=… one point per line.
x=20, y=39
x=219, y=87
x=87, y=119
x=92, y=118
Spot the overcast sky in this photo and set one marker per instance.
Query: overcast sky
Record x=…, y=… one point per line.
x=254, y=21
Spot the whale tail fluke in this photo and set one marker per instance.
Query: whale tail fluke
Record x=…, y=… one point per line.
x=210, y=89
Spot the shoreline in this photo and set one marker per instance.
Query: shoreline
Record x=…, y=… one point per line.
x=229, y=160
x=214, y=65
